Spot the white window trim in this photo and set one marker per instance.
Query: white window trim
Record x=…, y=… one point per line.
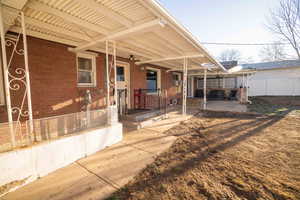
x=158, y=78
x=94, y=79
x=2, y=94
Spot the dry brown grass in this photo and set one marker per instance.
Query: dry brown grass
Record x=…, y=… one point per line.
x=225, y=157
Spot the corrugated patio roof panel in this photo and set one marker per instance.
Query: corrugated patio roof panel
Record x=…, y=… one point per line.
x=158, y=35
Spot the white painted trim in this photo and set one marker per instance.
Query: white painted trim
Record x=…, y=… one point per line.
x=84, y=52
x=158, y=77
x=94, y=78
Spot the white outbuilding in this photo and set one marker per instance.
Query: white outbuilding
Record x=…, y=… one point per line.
x=280, y=78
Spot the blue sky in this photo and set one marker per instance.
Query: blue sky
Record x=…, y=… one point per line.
x=233, y=21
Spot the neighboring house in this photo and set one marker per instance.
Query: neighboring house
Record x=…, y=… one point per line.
x=279, y=78
x=64, y=74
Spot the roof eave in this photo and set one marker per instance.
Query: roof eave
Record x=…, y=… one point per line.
x=163, y=13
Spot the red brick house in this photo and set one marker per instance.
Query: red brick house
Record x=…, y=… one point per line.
x=63, y=60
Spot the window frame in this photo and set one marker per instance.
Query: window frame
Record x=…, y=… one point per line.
x=158, y=72
x=94, y=74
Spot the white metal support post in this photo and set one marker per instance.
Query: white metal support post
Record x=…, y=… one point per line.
x=111, y=108
x=27, y=74
x=184, y=93
x=247, y=87
x=192, y=86
x=6, y=78
x=204, y=89
x=107, y=75
x=115, y=74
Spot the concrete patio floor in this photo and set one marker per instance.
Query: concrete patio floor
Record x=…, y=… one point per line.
x=233, y=106
x=99, y=175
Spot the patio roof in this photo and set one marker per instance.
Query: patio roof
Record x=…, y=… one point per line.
x=142, y=28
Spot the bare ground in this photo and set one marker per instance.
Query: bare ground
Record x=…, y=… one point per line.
x=276, y=106
x=224, y=156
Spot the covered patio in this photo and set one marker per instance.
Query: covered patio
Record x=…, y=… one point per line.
x=213, y=88
x=134, y=30
x=66, y=40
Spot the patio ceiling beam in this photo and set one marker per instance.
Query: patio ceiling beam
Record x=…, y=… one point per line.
x=57, y=29
x=145, y=47
x=222, y=73
x=74, y=43
x=98, y=8
x=166, y=43
x=44, y=36
x=122, y=47
x=127, y=32
x=169, y=58
x=66, y=17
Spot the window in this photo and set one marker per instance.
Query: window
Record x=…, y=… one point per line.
x=120, y=74
x=230, y=82
x=212, y=83
x=176, y=77
x=152, y=80
x=86, y=66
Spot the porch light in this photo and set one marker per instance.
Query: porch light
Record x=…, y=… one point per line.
x=131, y=58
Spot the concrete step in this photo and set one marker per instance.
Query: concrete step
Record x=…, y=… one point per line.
x=142, y=116
x=136, y=125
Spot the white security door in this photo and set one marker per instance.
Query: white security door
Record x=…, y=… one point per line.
x=123, y=81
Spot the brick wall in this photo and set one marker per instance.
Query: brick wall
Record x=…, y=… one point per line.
x=53, y=75
x=139, y=81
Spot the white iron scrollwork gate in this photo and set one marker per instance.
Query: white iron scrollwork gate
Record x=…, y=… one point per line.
x=16, y=79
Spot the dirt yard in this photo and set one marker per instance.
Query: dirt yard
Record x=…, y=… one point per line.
x=224, y=156
x=276, y=105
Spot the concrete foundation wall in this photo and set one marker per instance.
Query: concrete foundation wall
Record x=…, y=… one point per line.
x=40, y=160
